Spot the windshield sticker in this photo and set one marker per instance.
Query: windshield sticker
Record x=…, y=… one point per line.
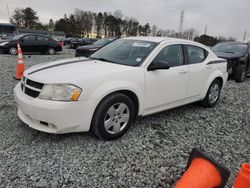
x=138, y=59
x=242, y=45
x=144, y=45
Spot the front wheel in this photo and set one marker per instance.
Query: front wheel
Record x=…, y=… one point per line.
x=212, y=95
x=240, y=73
x=113, y=116
x=13, y=50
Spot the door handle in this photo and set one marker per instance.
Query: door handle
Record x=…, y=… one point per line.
x=209, y=67
x=182, y=71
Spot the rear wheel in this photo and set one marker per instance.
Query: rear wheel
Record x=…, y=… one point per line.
x=13, y=50
x=240, y=73
x=51, y=51
x=212, y=95
x=113, y=116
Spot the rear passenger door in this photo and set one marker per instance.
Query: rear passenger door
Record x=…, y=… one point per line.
x=199, y=70
x=42, y=44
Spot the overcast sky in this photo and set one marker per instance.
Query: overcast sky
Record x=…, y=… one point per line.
x=222, y=17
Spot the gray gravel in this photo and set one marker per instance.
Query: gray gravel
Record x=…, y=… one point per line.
x=153, y=153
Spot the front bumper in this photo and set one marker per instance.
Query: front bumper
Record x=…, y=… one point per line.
x=81, y=54
x=54, y=116
x=3, y=49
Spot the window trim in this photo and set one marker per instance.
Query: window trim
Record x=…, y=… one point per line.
x=206, y=53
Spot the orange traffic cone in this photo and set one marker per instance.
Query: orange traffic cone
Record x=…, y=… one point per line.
x=20, y=64
x=203, y=172
x=243, y=178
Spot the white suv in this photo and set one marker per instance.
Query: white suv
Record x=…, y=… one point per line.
x=130, y=77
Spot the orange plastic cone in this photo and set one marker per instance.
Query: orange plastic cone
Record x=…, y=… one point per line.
x=203, y=172
x=243, y=178
x=20, y=65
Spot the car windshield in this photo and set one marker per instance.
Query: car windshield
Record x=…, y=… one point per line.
x=103, y=41
x=236, y=48
x=17, y=37
x=125, y=52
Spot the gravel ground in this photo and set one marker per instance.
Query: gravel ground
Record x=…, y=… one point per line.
x=153, y=153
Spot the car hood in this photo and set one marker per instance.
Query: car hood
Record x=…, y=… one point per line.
x=73, y=70
x=87, y=47
x=229, y=55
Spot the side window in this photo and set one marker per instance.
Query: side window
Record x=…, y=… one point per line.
x=171, y=55
x=196, y=54
x=29, y=38
x=39, y=38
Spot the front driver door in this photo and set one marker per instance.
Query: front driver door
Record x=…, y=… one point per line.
x=27, y=43
x=167, y=88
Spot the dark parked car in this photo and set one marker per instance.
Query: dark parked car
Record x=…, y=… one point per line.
x=81, y=42
x=237, y=56
x=31, y=43
x=87, y=50
x=67, y=41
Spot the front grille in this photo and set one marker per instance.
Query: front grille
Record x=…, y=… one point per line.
x=34, y=84
x=30, y=87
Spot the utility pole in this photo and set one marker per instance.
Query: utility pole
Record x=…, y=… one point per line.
x=205, y=32
x=244, y=36
x=8, y=11
x=181, y=22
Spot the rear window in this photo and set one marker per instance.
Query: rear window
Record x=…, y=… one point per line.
x=39, y=38
x=196, y=54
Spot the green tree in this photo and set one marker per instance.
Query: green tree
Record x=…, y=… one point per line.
x=25, y=18
x=17, y=18
x=30, y=18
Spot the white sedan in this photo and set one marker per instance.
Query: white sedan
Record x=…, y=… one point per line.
x=130, y=77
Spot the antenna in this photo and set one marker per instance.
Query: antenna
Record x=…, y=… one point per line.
x=181, y=22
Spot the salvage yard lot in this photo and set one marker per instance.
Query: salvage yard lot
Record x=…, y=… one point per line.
x=154, y=152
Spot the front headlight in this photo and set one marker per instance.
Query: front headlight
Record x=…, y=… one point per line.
x=3, y=43
x=60, y=92
x=243, y=59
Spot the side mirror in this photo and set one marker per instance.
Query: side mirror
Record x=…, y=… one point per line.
x=158, y=65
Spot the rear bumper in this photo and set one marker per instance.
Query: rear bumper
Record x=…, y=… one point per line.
x=54, y=116
x=58, y=48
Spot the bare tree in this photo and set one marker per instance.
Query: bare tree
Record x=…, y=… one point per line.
x=154, y=30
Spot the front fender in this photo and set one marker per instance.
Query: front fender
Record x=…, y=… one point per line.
x=117, y=85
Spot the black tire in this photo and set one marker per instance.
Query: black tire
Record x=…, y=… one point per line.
x=101, y=112
x=240, y=73
x=12, y=50
x=206, y=102
x=51, y=51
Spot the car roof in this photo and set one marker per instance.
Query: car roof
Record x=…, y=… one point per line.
x=169, y=40
x=35, y=34
x=160, y=39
